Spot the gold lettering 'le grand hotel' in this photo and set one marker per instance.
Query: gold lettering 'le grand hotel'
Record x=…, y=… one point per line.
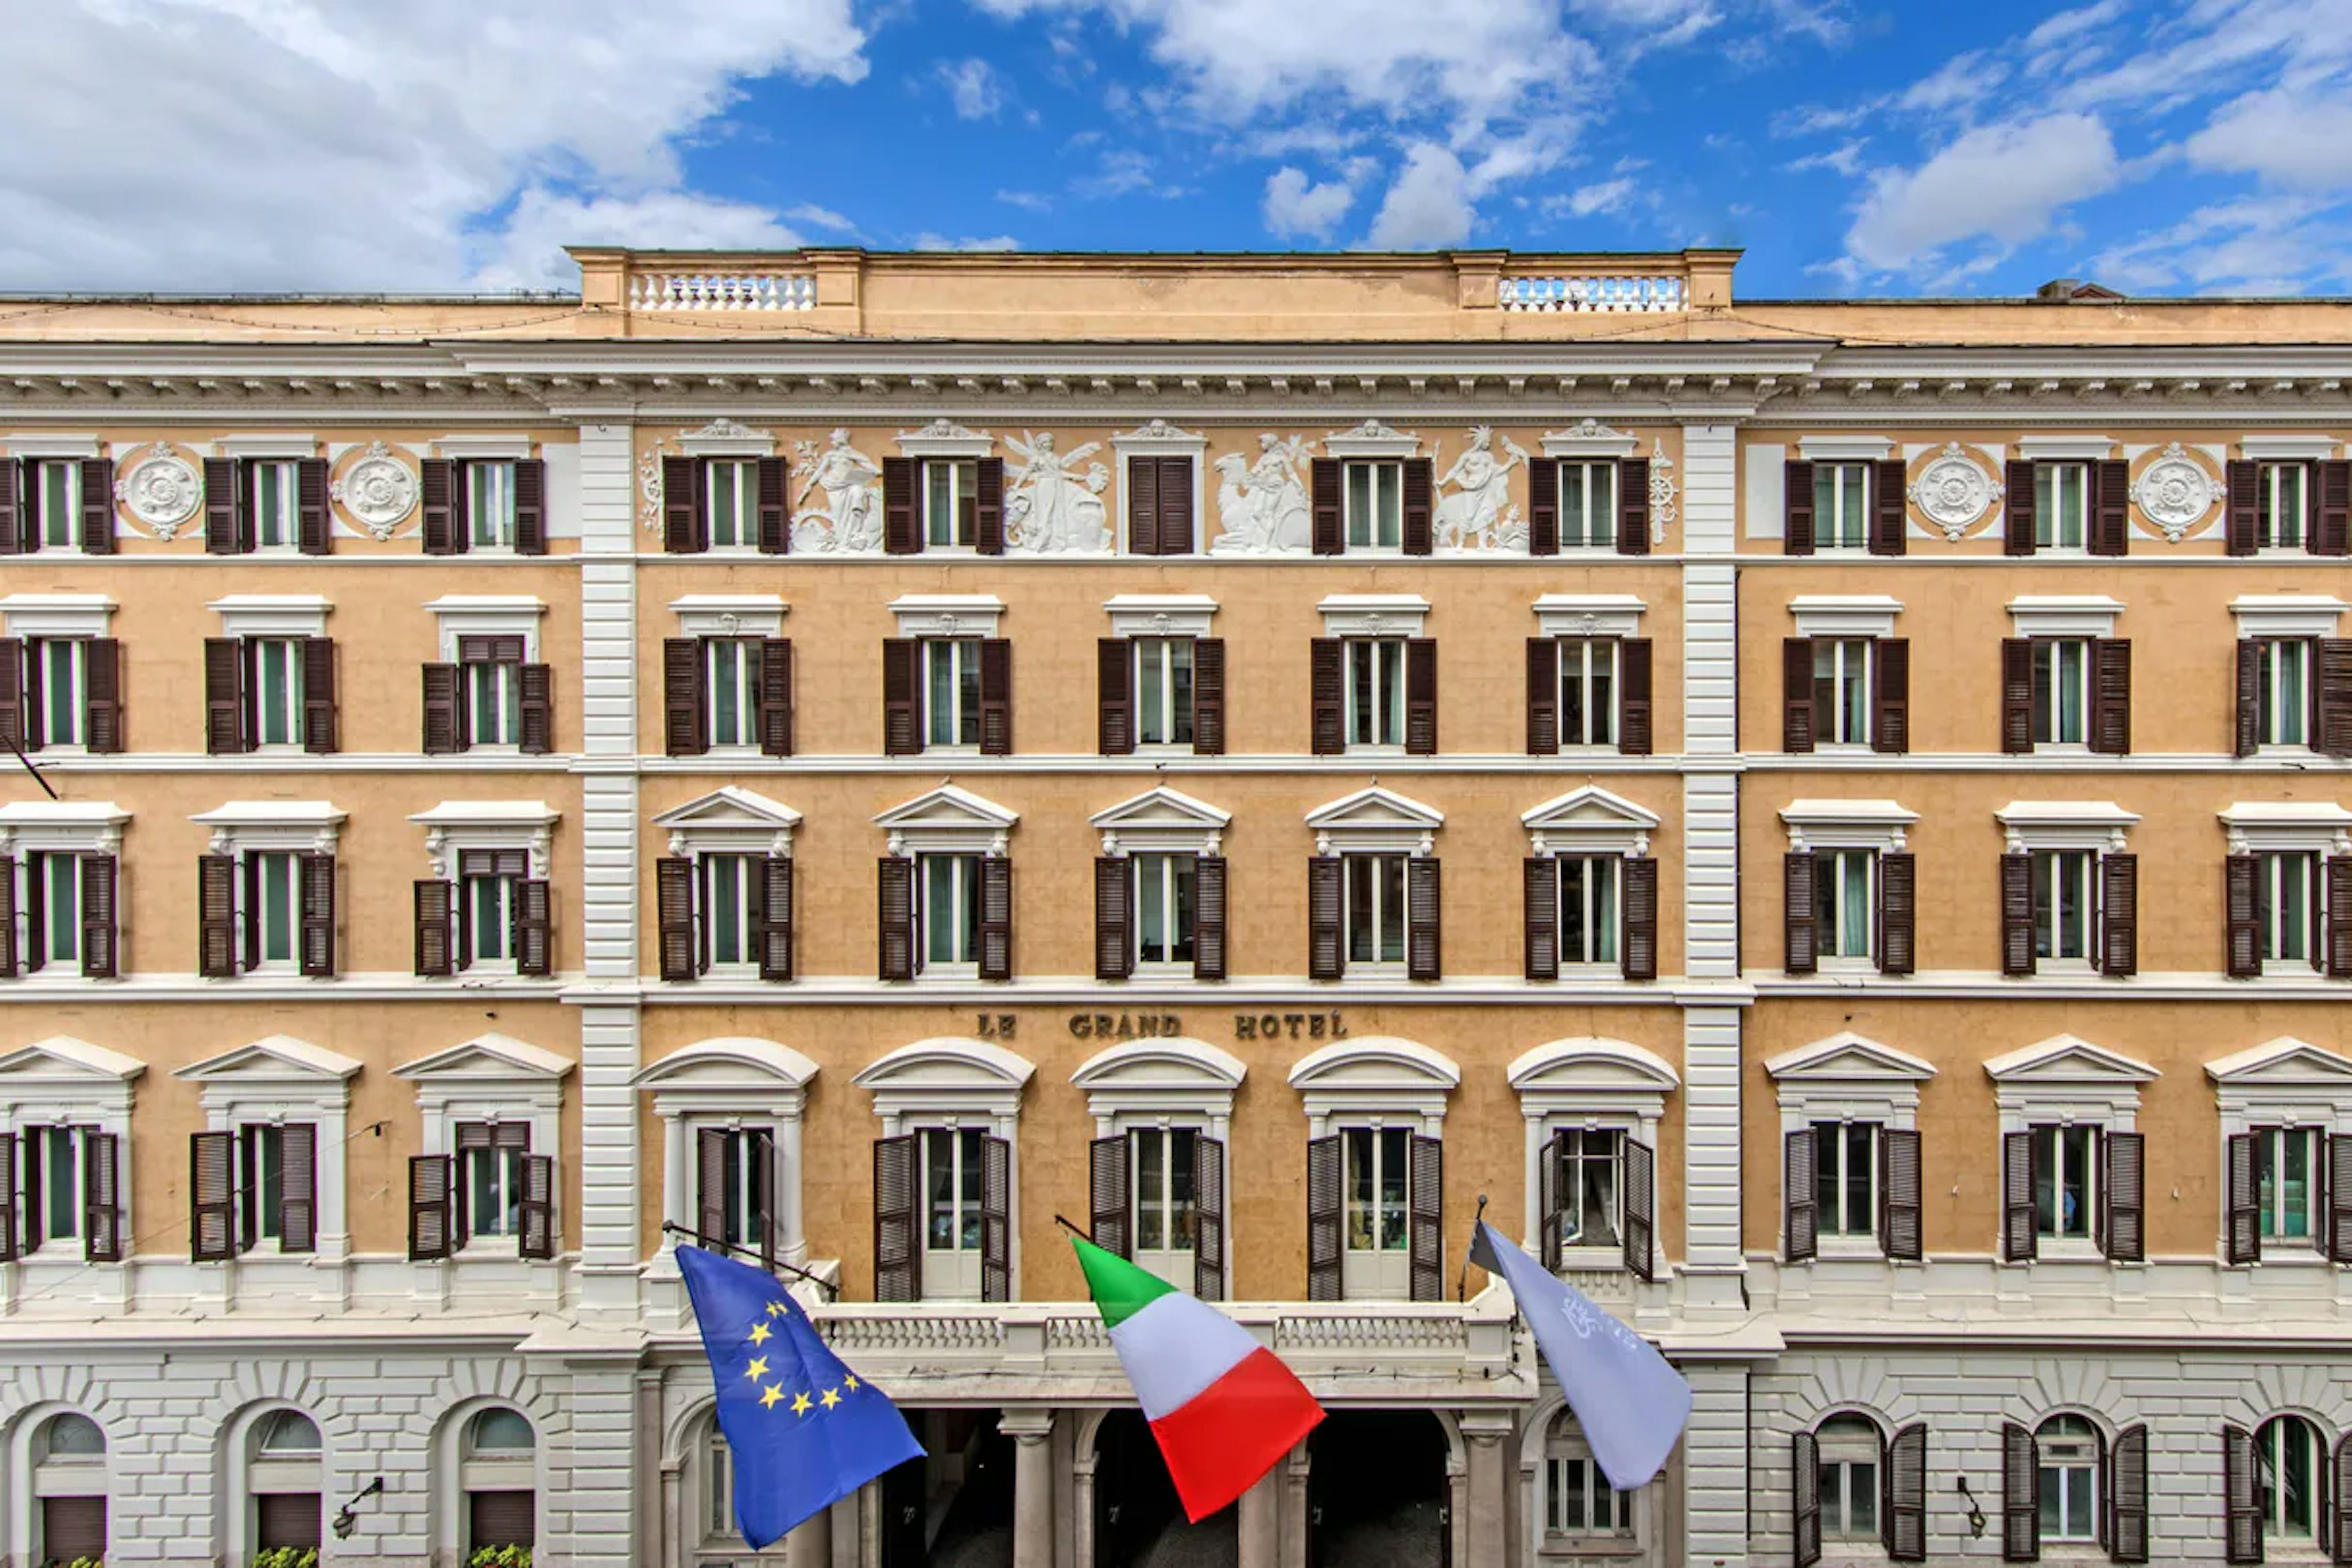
x=1829, y=819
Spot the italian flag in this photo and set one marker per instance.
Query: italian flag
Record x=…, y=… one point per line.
x=1223, y=1407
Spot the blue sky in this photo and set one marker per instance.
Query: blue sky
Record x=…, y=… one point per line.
x=2158, y=145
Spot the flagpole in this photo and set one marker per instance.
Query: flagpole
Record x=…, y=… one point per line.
x=671, y=1227
x=1086, y=1235
x=1462, y=1285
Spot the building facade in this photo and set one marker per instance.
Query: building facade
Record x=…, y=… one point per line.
x=1827, y=820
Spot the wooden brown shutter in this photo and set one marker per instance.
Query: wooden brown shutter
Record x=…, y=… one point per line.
x=212, y=1198
x=2240, y=1498
x=216, y=916
x=902, y=526
x=2339, y=1500
x=776, y=696
x=96, y=524
x=1176, y=476
x=1330, y=524
x=2020, y=1236
x=1899, y=1193
x=1426, y=1222
x=988, y=505
x=317, y=880
x=1634, y=506
x=2118, y=913
x=1539, y=878
x=1640, y=949
x=437, y=485
x=775, y=508
x=1799, y=1196
x=2021, y=1495
x=1890, y=695
x=2243, y=1212
x=297, y=1198
x=7, y=953
x=12, y=707
x=2017, y=956
x=430, y=1234
x=897, y=1262
x=1209, y=916
x=1898, y=904
x=102, y=1207
x=225, y=519
x=2244, y=482
x=1142, y=506
x=319, y=707
x=2335, y=704
x=1107, y=1195
x=996, y=697
x=2242, y=926
x=444, y=712
x=99, y=954
x=12, y=1240
x=1114, y=696
x=683, y=732
x=1797, y=728
x=534, y=944
x=1890, y=513
x=312, y=533
x=1558, y=1194
x=2331, y=529
x=536, y=688
x=1904, y=1530
x=902, y=687
x=250, y=915
x=1543, y=507
x=1323, y=1197
x=1798, y=873
x=2127, y=1496
x=1327, y=689
x=2123, y=1196
x=710, y=1185
x=531, y=507
x=2339, y=1200
x=1114, y=919
x=435, y=955
x=895, y=882
x=2339, y=917
x=1420, y=697
x=1797, y=508
x=1423, y=924
x=2017, y=509
x=2249, y=706
x=1633, y=707
x=14, y=513
x=684, y=530
x=2110, y=508
x=1543, y=697
x=1805, y=1523
x=995, y=1219
x=2017, y=694
x=538, y=1206
x=1641, y=1209
x=995, y=918
x=225, y=727
x=775, y=933
x=2111, y=696
x=1209, y=1218
x=102, y=695
x=678, y=953
x=502, y=1518
x=1326, y=956
x=1417, y=498
x=1208, y=697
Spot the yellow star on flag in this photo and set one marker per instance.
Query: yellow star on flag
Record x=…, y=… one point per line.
x=832, y=1397
x=757, y=1370
x=799, y=1404
x=776, y=1309
x=771, y=1397
x=849, y=1382
x=758, y=1333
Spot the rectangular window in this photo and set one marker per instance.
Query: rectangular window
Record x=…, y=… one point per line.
x=2285, y=666
x=490, y=901
x=2065, y=1160
x=1588, y=691
x=55, y=1147
x=951, y=1212
x=1849, y=1455
x=1164, y=1165
x=270, y=493
x=1842, y=907
x=1375, y=503
x=276, y=690
x=1840, y=506
x=1164, y=887
x=490, y=505
x=492, y=1180
x=1845, y=1178
x=950, y=692
x=2287, y=906
x=1375, y=691
x=745, y=1215
x=57, y=880
x=1588, y=908
x=57, y=499
x=262, y=1149
x=948, y=917
x=1377, y=1178
x=1163, y=692
x=1842, y=690
x=951, y=502
x=1375, y=899
x=2065, y=902
x=731, y=504
x=1581, y=1501
x=492, y=670
x=2279, y=515
x=276, y=878
x=1587, y=505
x=2062, y=505
x=731, y=676
x=2068, y=1483
x=59, y=676
x=2061, y=692
x=727, y=884
x=1591, y=1159
x=2287, y=1179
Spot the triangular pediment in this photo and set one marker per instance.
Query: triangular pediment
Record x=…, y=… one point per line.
x=1591, y=1064
x=1376, y=809
x=1375, y=1062
x=948, y=808
x=276, y=1059
x=731, y=809
x=1846, y=1056
x=2286, y=1062
x=1171, y=1065
x=1162, y=809
x=1590, y=806
x=2069, y=1059
x=735, y=1063
x=489, y=1057
x=61, y=1059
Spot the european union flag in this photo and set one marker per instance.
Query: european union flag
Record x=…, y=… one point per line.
x=805, y=1431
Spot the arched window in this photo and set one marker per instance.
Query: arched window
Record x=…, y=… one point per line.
x=2068, y=1450
x=70, y=1481
x=2290, y=1476
x=1849, y=1455
x=283, y=1475
x=498, y=1476
x=1582, y=1512
x=713, y=1530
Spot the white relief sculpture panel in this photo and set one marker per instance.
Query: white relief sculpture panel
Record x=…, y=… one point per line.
x=649, y=488
x=1262, y=506
x=2176, y=492
x=1955, y=491
x=1663, y=505
x=849, y=520
x=1051, y=506
x=160, y=488
x=1478, y=513
x=378, y=490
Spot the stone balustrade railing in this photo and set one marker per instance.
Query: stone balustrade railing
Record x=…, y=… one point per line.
x=723, y=291
x=1642, y=294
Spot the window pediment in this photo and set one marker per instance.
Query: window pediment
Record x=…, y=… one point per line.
x=88, y=827
x=724, y=437
x=1372, y=440
x=1845, y=615
x=61, y=1061
x=947, y=819
x=1375, y=819
x=459, y=825
x=1162, y=819
x=487, y=614
x=2283, y=1063
x=1378, y=1076
x=947, y=615
x=738, y=1063
x=278, y=1060
x=487, y=1060
x=946, y=438
x=1590, y=818
x=1845, y=448
x=1848, y=1058
x=2064, y=615
x=1882, y=824
x=1159, y=615
x=1589, y=616
x=729, y=615
x=2321, y=826
x=1172, y=1076
x=1590, y=439
x=1373, y=615
x=947, y=1075
x=2068, y=1059
x=306, y=824
x=55, y=615
x=2029, y=824
x=2287, y=614
x=1587, y=1065
x=731, y=818
x=273, y=615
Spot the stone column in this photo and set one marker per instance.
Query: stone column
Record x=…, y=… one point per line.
x=810, y=1545
x=1484, y=1531
x=1032, y=1486
x=1261, y=1520
x=1296, y=1470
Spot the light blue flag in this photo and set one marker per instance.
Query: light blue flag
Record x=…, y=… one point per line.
x=1630, y=1403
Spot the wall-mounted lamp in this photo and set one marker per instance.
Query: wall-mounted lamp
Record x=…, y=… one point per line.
x=1976, y=1514
x=347, y=1517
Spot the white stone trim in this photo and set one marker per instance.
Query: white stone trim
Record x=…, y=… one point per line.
x=2066, y=1078
x=2064, y=616
x=729, y=615
x=1159, y=438
x=273, y=615
x=1371, y=439
x=2284, y=1082
x=944, y=1078
x=1374, y=819
x=731, y=820
x=480, y=449
x=2030, y=825
x=1845, y=448
x=494, y=1079
x=1879, y=824
x=1377, y=1078
x=730, y=1082
x=1589, y=616
x=947, y=615
x=1845, y=615
x=1159, y=615
x=244, y=445
x=2065, y=449
x=947, y=820
x=1588, y=820
x=459, y=825
x=2287, y=614
x=2288, y=449
x=1373, y=615
x=487, y=614
x=280, y=1079
x=1160, y=1082
x=945, y=438
x=55, y=615
x=723, y=437
x=1848, y=1077
x=1162, y=819
x=1590, y=439
x=48, y=444
x=63, y=827
x=240, y=825
x=1588, y=1082
x=2321, y=826
x=64, y=1080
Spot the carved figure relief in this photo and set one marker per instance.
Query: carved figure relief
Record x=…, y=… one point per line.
x=649, y=488
x=378, y=490
x=849, y=521
x=1051, y=508
x=160, y=488
x=2176, y=492
x=1955, y=491
x=1662, y=490
x=1479, y=514
x=1262, y=506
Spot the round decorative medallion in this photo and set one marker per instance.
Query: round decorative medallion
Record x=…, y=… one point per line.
x=1954, y=490
x=2176, y=492
x=379, y=490
x=161, y=488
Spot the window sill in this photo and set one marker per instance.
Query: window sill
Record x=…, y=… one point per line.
x=2289, y=969
x=61, y=749
x=1351, y=971
x=1368, y=748
x=2067, y=1249
x=1584, y=1546
x=1847, y=965
x=491, y=749
x=945, y=751
x=1848, y=1249
x=1589, y=1259
x=947, y=974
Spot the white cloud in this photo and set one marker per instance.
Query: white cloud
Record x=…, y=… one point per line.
x=1844, y=159
x=2004, y=182
x=1294, y=205
x=1428, y=203
x=928, y=241
x=974, y=88
x=1586, y=201
x=2262, y=245
x=815, y=217
x=2282, y=136
x=238, y=144
x=1030, y=201
x=530, y=249
x=2068, y=25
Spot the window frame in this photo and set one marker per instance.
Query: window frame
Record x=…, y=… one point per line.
x=1611, y=930
x=743, y=474
x=67, y=521
x=2051, y=490
x=964, y=706
x=965, y=888
x=42, y=657
x=1384, y=479
x=1847, y=1078
x=2050, y=688
x=1852, y=693
x=288, y=472
x=2269, y=476
x=1383, y=666
x=501, y=537
x=2270, y=1439
x=724, y=1083
x=962, y=493
x=493, y=1079
x=1354, y=863
x=1842, y=1450
x=1588, y=1084
x=2067, y=1080
x=1599, y=713
x=1176, y=713
x=1576, y=478
x=1834, y=480
x=1180, y=914
x=1562, y=1450
x=2087, y=1468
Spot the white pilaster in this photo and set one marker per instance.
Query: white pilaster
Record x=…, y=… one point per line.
x=1715, y=1466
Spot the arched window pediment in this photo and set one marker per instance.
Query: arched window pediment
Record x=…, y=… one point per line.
x=1587, y=1064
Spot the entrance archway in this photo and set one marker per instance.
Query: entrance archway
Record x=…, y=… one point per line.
x=1139, y=1522
x=1377, y=1492
x=953, y=1506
